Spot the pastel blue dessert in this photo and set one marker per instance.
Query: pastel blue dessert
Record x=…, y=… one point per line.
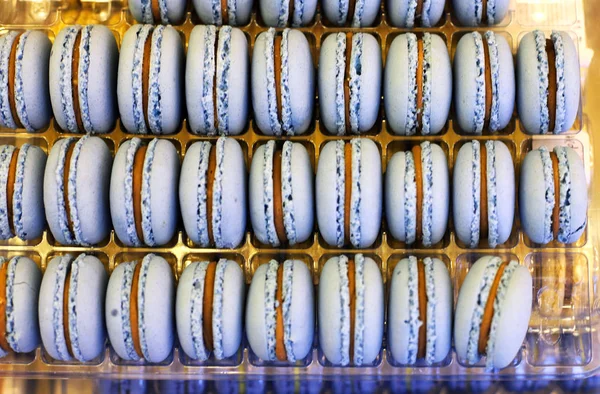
x=283, y=86
x=150, y=85
x=417, y=86
x=480, y=12
x=140, y=300
x=484, y=93
x=549, y=83
x=281, y=194
x=411, y=13
x=212, y=193
x=216, y=81
x=224, y=12
x=352, y=13
x=83, y=79
x=20, y=284
x=483, y=193
x=24, y=100
x=71, y=308
x=350, y=337
x=76, y=183
x=416, y=331
x=282, y=13
x=553, y=195
x=21, y=194
x=280, y=311
x=158, y=11
x=143, y=192
x=203, y=327
x=349, y=82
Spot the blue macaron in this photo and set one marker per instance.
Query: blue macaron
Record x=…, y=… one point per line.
x=412, y=13
x=353, y=13
x=282, y=13
x=158, y=11
x=480, y=12
x=224, y=12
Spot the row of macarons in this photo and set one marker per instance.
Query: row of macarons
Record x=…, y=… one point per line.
x=142, y=309
x=82, y=193
x=84, y=81
x=296, y=13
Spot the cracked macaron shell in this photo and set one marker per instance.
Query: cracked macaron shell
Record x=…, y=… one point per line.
x=206, y=9
x=170, y=80
x=512, y=326
x=173, y=10
x=463, y=197
x=92, y=181
x=301, y=311
x=330, y=313
x=465, y=77
x=158, y=309
x=304, y=12
x=36, y=96
x=398, y=13
x=532, y=195
x=371, y=191
x=465, y=11
x=528, y=81
x=395, y=198
x=398, y=311
x=302, y=189
x=369, y=82
x=164, y=204
x=396, y=85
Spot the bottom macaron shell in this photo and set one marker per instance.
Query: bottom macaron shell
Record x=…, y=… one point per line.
x=50, y=334
x=33, y=214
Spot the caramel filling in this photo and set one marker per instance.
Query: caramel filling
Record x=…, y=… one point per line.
x=3, y=342
x=422, y=311
x=156, y=11
x=488, y=313
x=484, y=17
x=207, y=305
x=489, y=94
x=420, y=70
x=556, y=209
x=66, y=327
x=291, y=12
x=416, y=151
x=138, y=174
x=350, y=15
x=12, y=69
x=347, y=190
x=66, y=172
x=552, y=88
x=212, y=168
x=146, y=75
x=75, y=80
x=215, y=82
x=347, y=78
x=10, y=189
x=224, y=12
x=133, y=310
x=419, y=10
x=278, y=198
x=277, y=66
x=352, y=292
x=279, y=331
x=483, y=203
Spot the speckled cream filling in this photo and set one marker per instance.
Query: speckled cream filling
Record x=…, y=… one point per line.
x=268, y=208
x=411, y=13
x=543, y=72
x=132, y=234
x=269, y=54
x=217, y=203
x=359, y=9
x=491, y=12
x=201, y=194
x=286, y=97
x=164, y=16
x=5, y=158
x=492, y=194
x=136, y=79
x=154, y=89
x=427, y=215
x=344, y=310
x=270, y=308
x=217, y=313
x=72, y=192
x=548, y=173
x=72, y=304
x=355, y=81
x=84, y=76
x=65, y=83
x=359, y=319
x=284, y=11
x=431, y=309
x=57, y=308
x=287, y=292
x=414, y=323
x=490, y=38
x=63, y=221
x=298, y=13
x=147, y=229
x=559, y=63
x=413, y=63
x=425, y=21
x=476, y=190
x=410, y=198
x=5, y=112
x=427, y=81
x=19, y=89
x=343, y=7
x=223, y=71
x=340, y=189
x=197, y=311
x=355, y=197
x=18, y=193
x=232, y=12
x=141, y=295
x=125, y=310
x=340, y=68
x=478, y=12
x=479, y=108
x=11, y=336
x=564, y=211
x=287, y=193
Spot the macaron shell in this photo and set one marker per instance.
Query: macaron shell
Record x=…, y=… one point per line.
x=256, y=327
x=327, y=80
x=269, y=11
x=464, y=11
x=302, y=310
x=330, y=315
x=171, y=80
x=397, y=11
x=54, y=78
x=256, y=191
x=462, y=196
x=117, y=194
x=326, y=196
x=374, y=311
x=183, y=308
x=175, y=11
x=303, y=193
x=51, y=193
x=440, y=192
x=579, y=195
x=441, y=84
x=394, y=195
x=113, y=312
x=260, y=101
x=45, y=309
x=370, y=193
x=33, y=217
x=443, y=315
x=234, y=291
x=124, y=77
x=370, y=82
x=506, y=191
x=572, y=81
x=301, y=81
x=25, y=299
x=204, y=9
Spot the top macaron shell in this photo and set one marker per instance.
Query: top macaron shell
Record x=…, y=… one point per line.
x=367, y=65
x=32, y=97
x=469, y=12
x=467, y=76
x=402, y=13
x=166, y=88
x=170, y=11
x=398, y=86
x=232, y=68
x=210, y=11
x=276, y=13
x=530, y=84
x=90, y=173
x=365, y=12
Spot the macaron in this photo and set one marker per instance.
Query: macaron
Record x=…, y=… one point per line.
x=209, y=307
x=549, y=86
x=83, y=79
x=224, y=12
x=492, y=312
x=348, y=193
x=283, y=82
x=553, y=195
x=349, y=82
x=280, y=311
x=417, y=195
x=140, y=299
x=484, y=75
x=76, y=184
x=71, y=308
x=417, y=87
x=483, y=193
x=212, y=193
x=480, y=12
x=281, y=194
x=158, y=11
x=282, y=13
x=19, y=288
x=21, y=191
x=420, y=311
x=350, y=310
x=151, y=80
x=24, y=98
x=351, y=13
x=216, y=81
x=413, y=13
x=143, y=192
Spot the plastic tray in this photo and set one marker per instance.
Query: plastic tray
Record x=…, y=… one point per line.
x=562, y=347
